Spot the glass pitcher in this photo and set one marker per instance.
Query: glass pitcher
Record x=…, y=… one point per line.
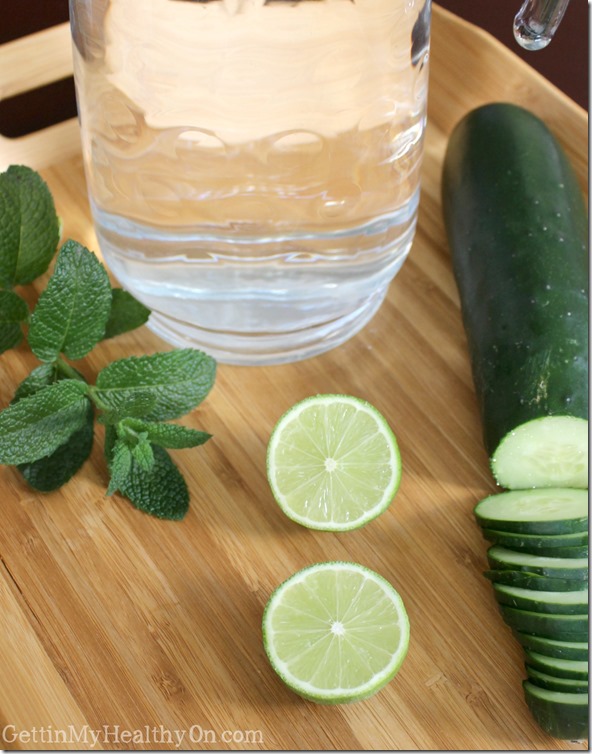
x=253, y=165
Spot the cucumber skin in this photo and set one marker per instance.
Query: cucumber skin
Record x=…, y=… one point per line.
x=513, y=232
x=573, y=675
x=555, y=684
x=558, y=720
x=577, y=574
x=527, y=580
x=536, y=529
x=550, y=647
x=548, y=625
x=525, y=603
x=562, y=552
x=538, y=545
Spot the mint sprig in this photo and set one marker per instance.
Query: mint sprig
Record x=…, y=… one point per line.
x=160, y=491
x=47, y=432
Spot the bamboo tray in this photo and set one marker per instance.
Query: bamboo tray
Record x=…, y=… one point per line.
x=111, y=621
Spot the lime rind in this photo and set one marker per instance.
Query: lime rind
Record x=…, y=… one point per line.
x=303, y=442
x=326, y=652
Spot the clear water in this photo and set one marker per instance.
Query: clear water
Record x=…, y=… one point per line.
x=253, y=165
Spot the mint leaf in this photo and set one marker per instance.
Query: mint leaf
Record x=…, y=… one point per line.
x=126, y=314
x=53, y=471
x=29, y=226
x=40, y=377
x=119, y=466
x=13, y=311
x=72, y=312
x=177, y=380
x=36, y=426
x=161, y=491
x=140, y=404
x=168, y=435
x=143, y=454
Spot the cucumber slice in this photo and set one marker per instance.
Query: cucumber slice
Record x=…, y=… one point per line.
x=559, y=714
x=540, y=544
x=549, y=625
x=546, y=452
x=567, y=650
x=574, y=669
x=527, y=580
x=564, y=603
x=576, y=551
x=563, y=568
x=546, y=681
x=540, y=511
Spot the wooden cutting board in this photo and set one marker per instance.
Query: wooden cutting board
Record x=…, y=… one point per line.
x=116, y=623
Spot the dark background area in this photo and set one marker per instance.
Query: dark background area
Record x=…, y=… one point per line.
x=564, y=62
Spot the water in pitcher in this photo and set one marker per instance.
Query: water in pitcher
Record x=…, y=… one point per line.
x=253, y=165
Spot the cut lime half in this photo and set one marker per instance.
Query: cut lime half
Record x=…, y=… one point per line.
x=335, y=632
x=333, y=463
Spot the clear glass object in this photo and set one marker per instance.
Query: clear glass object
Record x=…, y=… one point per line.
x=253, y=165
x=536, y=22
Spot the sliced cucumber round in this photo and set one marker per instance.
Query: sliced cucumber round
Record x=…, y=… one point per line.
x=527, y=580
x=551, y=451
x=563, y=568
x=574, y=669
x=535, y=511
x=564, y=603
x=550, y=625
x=546, y=681
x=540, y=544
x=560, y=714
x=577, y=551
x=566, y=650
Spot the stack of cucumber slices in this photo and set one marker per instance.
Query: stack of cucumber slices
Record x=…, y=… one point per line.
x=539, y=570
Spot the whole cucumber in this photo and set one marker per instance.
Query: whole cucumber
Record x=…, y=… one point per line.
x=517, y=229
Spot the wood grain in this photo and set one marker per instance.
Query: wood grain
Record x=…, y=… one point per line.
x=112, y=618
x=26, y=64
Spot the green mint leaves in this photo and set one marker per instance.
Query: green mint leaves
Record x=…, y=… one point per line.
x=54, y=470
x=36, y=426
x=13, y=312
x=29, y=226
x=72, y=312
x=126, y=314
x=47, y=432
x=160, y=490
x=171, y=383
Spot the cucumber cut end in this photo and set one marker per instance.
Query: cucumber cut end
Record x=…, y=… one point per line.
x=547, y=511
x=551, y=451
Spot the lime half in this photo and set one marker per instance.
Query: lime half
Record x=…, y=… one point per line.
x=333, y=463
x=335, y=632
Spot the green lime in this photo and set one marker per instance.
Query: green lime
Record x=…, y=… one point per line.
x=335, y=632
x=333, y=463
